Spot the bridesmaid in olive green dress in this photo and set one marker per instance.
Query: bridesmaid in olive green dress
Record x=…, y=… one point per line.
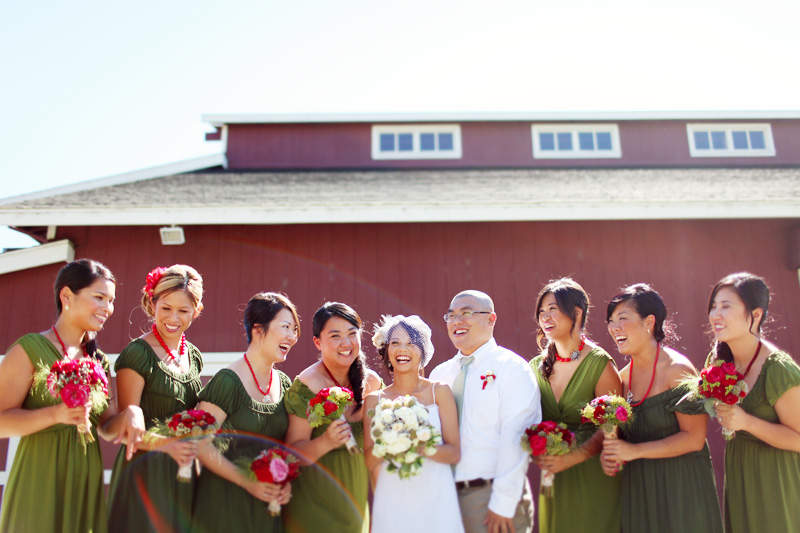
x=159, y=372
x=668, y=481
x=762, y=461
x=55, y=484
x=567, y=384
x=248, y=398
x=331, y=492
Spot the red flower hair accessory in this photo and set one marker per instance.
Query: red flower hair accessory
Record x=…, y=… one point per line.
x=152, y=280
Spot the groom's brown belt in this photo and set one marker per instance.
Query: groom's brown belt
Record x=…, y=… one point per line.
x=480, y=482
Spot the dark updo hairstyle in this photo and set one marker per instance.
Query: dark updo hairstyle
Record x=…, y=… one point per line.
x=754, y=293
x=78, y=275
x=357, y=371
x=569, y=295
x=262, y=309
x=646, y=301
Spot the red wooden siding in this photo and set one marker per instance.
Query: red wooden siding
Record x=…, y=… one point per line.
x=417, y=268
x=485, y=145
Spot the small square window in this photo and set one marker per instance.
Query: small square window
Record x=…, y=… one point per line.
x=446, y=141
x=547, y=141
x=387, y=142
x=405, y=142
x=740, y=140
x=701, y=141
x=586, y=140
x=565, y=141
x=603, y=140
x=757, y=140
x=718, y=140
x=427, y=141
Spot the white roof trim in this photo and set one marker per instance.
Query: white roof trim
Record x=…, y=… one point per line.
x=221, y=119
x=36, y=256
x=380, y=213
x=188, y=165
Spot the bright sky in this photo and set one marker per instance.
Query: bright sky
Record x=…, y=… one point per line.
x=96, y=88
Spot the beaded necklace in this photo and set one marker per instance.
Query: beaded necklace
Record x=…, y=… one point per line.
x=182, y=349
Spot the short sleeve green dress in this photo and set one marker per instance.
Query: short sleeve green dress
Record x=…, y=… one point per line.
x=762, y=483
x=667, y=495
x=586, y=481
x=331, y=494
x=55, y=484
x=145, y=494
x=249, y=428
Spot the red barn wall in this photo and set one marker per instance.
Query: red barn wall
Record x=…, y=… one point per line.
x=417, y=268
x=485, y=145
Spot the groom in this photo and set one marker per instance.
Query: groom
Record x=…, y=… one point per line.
x=497, y=398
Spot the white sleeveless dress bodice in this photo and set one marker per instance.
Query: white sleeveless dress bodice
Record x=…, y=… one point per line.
x=422, y=503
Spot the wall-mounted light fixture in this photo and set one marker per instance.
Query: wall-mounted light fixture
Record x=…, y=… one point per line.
x=171, y=235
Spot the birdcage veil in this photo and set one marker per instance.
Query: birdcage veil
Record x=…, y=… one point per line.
x=418, y=330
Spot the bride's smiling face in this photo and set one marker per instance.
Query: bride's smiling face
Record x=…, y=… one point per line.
x=403, y=353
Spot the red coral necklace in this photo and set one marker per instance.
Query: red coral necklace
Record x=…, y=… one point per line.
x=182, y=349
x=749, y=366
x=652, y=378
x=64, y=346
x=269, y=385
x=330, y=374
x=574, y=356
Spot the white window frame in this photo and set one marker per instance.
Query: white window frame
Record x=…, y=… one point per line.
x=576, y=152
x=730, y=151
x=416, y=130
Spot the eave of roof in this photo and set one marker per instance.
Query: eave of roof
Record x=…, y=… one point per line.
x=286, y=197
x=188, y=165
x=221, y=119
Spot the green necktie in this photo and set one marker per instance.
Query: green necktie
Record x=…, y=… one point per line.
x=458, y=385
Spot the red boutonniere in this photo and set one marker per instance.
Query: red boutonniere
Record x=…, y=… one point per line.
x=487, y=378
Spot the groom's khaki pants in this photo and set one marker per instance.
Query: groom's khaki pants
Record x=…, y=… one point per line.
x=474, y=503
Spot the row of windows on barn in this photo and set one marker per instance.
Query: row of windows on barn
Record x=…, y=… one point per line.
x=570, y=141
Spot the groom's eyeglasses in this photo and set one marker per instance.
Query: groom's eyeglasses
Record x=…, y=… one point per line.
x=464, y=315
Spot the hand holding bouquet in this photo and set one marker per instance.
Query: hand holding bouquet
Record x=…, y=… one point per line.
x=718, y=382
x=190, y=424
x=402, y=434
x=329, y=405
x=608, y=412
x=276, y=466
x=548, y=438
x=77, y=382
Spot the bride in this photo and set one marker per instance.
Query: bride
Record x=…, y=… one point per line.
x=405, y=347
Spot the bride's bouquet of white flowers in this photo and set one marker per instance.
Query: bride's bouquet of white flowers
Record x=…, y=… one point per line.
x=402, y=434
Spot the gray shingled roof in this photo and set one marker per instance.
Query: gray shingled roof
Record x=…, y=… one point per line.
x=776, y=189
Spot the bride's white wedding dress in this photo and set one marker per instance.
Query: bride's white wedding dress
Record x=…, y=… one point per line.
x=425, y=502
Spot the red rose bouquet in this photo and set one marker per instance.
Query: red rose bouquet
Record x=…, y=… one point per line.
x=276, y=466
x=718, y=382
x=608, y=412
x=190, y=424
x=77, y=382
x=548, y=438
x=329, y=405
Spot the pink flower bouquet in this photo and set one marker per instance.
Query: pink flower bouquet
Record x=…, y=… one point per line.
x=77, y=382
x=608, y=412
x=276, y=466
